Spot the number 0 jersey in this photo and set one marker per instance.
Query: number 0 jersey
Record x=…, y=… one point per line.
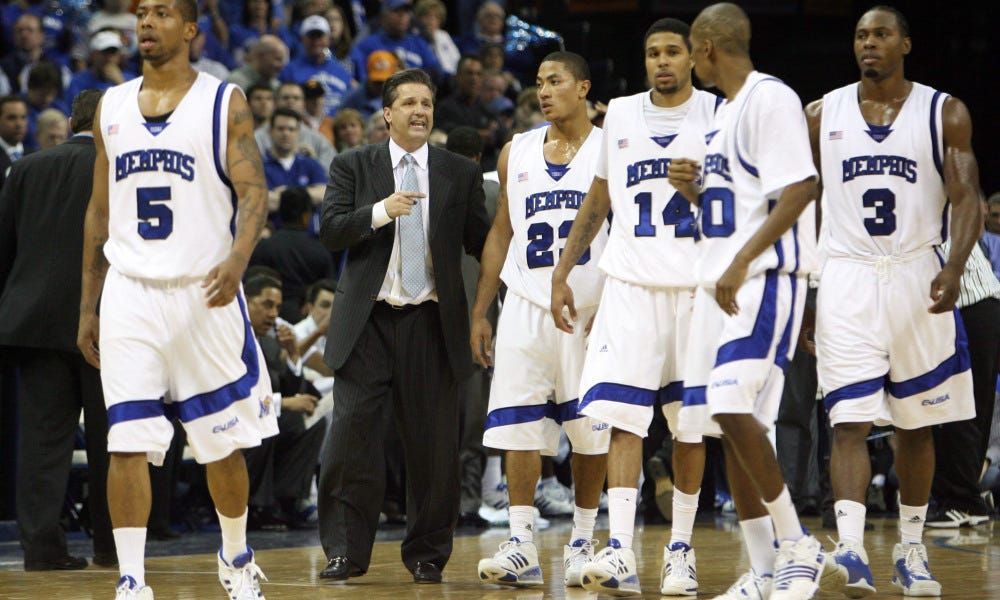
x=542, y=209
x=759, y=145
x=883, y=190
x=170, y=202
x=654, y=229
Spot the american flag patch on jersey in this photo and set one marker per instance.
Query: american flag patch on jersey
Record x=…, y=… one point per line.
x=522, y=177
x=836, y=135
x=112, y=129
x=623, y=143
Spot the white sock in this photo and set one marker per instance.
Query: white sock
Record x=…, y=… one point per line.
x=758, y=535
x=522, y=522
x=492, y=475
x=621, y=514
x=583, y=523
x=130, y=543
x=685, y=509
x=911, y=523
x=234, y=536
x=850, y=520
x=548, y=480
x=784, y=517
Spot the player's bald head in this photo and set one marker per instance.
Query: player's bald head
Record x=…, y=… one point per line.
x=726, y=25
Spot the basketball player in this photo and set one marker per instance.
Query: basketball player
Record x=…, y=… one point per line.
x=177, y=206
x=892, y=154
x=757, y=246
x=544, y=175
x=641, y=331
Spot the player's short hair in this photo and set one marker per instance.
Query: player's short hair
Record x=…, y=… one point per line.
x=901, y=22
x=327, y=284
x=293, y=204
x=189, y=10
x=281, y=111
x=668, y=25
x=83, y=110
x=390, y=89
x=727, y=25
x=465, y=141
x=255, y=286
x=258, y=270
x=574, y=63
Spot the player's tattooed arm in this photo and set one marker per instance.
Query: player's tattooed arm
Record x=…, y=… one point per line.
x=95, y=264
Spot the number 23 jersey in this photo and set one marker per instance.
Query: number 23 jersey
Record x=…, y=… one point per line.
x=542, y=209
x=171, y=209
x=883, y=190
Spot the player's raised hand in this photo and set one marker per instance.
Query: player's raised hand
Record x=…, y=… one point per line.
x=401, y=203
x=684, y=175
x=728, y=285
x=944, y=289
x=562, y=301
x=87, y=338
x=223, y=281
x=481, y=340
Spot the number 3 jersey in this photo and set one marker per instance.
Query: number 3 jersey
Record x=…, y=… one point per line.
x=654, y=230
x=543, y=200
x=170, y=203
x=758, y=146
x=883, y=190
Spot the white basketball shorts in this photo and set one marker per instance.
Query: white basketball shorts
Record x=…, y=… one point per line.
x=536, y=376
x=744, y=373
x=881, y=357
x=165, y=353
x=634, y=359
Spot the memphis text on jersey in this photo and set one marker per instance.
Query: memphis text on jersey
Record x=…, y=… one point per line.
x=553, y=200
x=882, y=164
x=144, y=161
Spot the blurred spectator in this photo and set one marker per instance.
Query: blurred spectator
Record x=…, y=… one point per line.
x=493, y=62
x=105, y=67
x=340, y=39
x=313, y=113
x=299, y=257
x=310, y=332
x=993, y=214
x=264, y=61
x=318, y=64
x=28, y=52
x=115, y=16
x=367, y=97
x=216, y=31
x=431, y=16
x=205, y=64
x=51, y=128
x=284, y=166
x=348, y=130
x=311, y=142
x=260, y=97
x=991, y=237
x=256, y=24
x=395, y=36
x=58, y=36
x=376, y=130
x=43, y=91
x=467, y=11
x=521, y=41
x=13, y=129
x=465, y=107
x=528, y=110
x=494, y=86
x=488, y=30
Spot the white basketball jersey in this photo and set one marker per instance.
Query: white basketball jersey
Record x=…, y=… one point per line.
x=760, y=145
x=883, y=190
x=542, y=210
x=170, y=199
x=654, y=228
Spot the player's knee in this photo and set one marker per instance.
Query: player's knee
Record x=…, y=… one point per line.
x=851, y=433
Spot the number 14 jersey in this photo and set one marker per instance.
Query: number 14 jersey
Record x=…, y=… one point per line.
x=883, y=189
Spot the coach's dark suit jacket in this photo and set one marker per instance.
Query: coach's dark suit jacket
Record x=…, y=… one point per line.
x=42, y=208
x=457, y=218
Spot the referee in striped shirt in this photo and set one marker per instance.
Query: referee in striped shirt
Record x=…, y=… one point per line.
x=960, y=447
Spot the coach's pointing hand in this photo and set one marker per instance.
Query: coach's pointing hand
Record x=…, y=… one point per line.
x=401, y=203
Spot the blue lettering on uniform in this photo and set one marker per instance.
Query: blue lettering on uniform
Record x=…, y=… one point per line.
x=933, y=401
x=718, y=164
x=655, y=168
x=553, y=200
x=227, y=425
x=145, y=161
x=883, y=164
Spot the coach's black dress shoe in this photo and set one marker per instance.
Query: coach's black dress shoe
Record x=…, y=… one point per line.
x=105, y=560
x=426, y=572
x=66, y=563
x=340, y=568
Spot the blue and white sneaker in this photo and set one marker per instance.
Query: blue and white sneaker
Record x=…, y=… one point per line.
x=750, y=586
x=910, y=572
x=128, y=589
x=797, y=569
x=679, y=576
x=241, y=579
x=612, y=572
x=515, y=564
x=576, y=555
x=846, y=570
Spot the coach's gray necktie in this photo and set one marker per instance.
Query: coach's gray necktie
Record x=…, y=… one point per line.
x=411, y=235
